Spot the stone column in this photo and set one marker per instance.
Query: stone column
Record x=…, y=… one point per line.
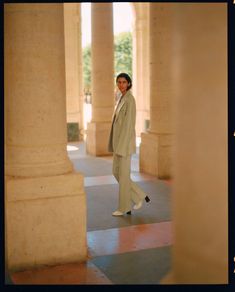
x=200, y=189
x=155, y=148
x=140, y=64
x=73, y=69
x=45, y=199
x=102, y=78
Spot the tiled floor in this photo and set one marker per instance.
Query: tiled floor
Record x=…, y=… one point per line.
x=127, y=239
x=84, y=273
x=134, y=249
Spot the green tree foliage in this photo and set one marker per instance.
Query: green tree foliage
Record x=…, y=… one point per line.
x=122, y=57
x=86, y=54
x=123, y=53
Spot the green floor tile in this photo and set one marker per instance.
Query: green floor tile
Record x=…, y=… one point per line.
x=139, y=267
x=103, y=200
x=92, y=166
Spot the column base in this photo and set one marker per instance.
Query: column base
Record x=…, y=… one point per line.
x=97, y=138
x=155, y=154
x=45, y=221
x=141, y=117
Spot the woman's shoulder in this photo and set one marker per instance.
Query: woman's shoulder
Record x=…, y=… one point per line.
x=130, y=96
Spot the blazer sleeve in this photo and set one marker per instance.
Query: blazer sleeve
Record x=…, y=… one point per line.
x=128, y=126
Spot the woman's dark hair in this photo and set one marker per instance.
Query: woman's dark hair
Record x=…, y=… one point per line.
x=127, y=77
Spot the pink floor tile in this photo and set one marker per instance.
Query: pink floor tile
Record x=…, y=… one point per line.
x=83, y=273
x=131, y=238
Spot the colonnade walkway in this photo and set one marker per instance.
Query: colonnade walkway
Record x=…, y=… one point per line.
x=133, y=249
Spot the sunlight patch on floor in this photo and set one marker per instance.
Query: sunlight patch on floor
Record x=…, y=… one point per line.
x=72, y=148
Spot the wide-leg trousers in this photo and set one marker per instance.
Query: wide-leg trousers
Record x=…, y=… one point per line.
x=128, y=190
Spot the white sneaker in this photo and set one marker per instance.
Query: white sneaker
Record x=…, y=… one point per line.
x=117, y=213
x=138, y=206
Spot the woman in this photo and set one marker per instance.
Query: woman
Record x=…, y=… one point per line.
x=122, y=144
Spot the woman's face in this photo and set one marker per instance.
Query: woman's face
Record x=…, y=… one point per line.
x=122, y=84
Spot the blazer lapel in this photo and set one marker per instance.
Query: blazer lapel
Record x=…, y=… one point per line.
x=120, y=105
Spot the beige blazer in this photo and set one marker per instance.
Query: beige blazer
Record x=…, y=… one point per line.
x=122, y=135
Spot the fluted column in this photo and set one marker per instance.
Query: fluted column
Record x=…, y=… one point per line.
x=45, y=199
x=155, y=149
x=141, y=64
x=73, y=69
x=102, y=78
x=200, y=187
